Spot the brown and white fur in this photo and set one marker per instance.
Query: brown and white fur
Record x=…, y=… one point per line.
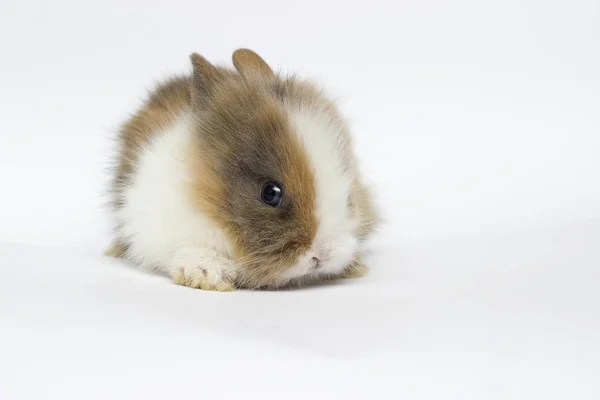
x=191, y=165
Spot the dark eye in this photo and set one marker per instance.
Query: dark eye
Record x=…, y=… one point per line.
x=271, y=194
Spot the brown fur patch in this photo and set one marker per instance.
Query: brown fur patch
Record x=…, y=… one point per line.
x=244, y=139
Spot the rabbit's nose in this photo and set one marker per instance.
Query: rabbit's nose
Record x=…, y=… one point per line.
x=317, y=262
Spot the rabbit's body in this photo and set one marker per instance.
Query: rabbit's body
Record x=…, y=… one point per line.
x=243, y=179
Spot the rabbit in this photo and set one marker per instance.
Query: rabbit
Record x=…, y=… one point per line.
x=239, y=179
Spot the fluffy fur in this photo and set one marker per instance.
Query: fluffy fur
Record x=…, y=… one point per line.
x=191, y=165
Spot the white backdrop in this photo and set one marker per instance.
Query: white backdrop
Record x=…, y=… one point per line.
x=478, y=123
x=471, y=116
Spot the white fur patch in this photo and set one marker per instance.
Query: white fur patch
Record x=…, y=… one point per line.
x=335, y=243
x=157, y=219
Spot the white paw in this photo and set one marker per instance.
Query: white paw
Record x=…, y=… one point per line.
x=203, y=269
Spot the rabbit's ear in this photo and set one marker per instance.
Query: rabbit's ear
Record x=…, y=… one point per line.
x=245, y=60
x=205, y=76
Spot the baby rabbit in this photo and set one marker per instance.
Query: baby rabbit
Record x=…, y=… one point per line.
x=239, y=179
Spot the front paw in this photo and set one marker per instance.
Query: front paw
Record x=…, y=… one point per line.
x=203, y=269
